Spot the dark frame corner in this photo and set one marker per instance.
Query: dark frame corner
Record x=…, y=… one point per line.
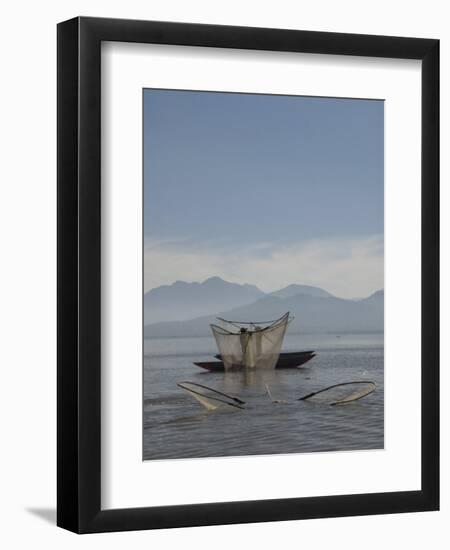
x=79, y=326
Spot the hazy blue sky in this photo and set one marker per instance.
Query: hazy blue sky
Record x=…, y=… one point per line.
x=231, y=178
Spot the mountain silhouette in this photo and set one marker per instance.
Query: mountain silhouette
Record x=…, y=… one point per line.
x=182, y=301
x=318, y=311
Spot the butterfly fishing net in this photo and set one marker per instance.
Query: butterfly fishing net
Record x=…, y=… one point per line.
x=341, y=394
x=250, y=345
x=211, y=399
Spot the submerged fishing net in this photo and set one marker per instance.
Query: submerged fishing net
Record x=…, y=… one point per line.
x=250, y=345
x=341, y=394
x=209, y=398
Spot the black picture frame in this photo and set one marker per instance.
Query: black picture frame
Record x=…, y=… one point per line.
x=79, y=280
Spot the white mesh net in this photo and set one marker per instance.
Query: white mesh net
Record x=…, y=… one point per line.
x=250, y=345
x=211, y=399
x=340, y=394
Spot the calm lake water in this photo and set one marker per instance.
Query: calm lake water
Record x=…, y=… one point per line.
x=177, y=426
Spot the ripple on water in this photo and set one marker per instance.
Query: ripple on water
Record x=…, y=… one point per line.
x=175, y=425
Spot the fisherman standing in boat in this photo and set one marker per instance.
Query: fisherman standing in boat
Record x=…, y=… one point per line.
x=256, y=346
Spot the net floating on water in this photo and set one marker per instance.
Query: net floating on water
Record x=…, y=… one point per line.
x=341, y=394
x=211, y=399
x=250, y=345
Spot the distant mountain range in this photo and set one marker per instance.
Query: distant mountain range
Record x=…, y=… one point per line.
x=181, y=301
x=187, y=309
x=294, y=290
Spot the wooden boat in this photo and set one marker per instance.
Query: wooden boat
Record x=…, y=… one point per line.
x=290, y=360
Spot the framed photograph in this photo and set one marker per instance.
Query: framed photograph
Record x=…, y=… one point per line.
x=248, y=275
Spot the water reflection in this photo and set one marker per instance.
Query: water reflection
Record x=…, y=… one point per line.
x=176, y=426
